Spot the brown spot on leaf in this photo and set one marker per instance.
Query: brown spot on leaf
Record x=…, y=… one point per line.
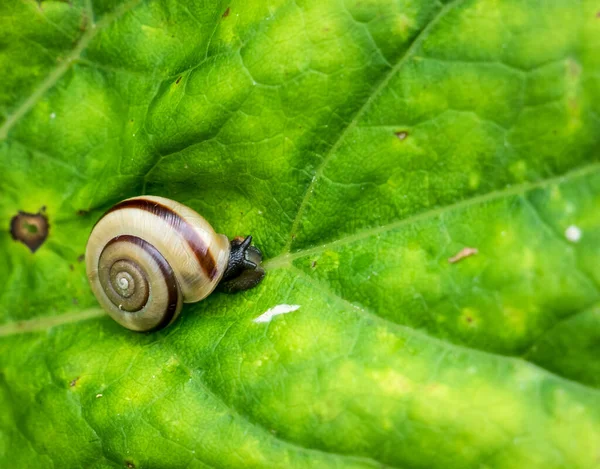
x=401, y=134
x=83, y=24
x=469, y=319
x=314, y=264
x=462, y=254
x=31, y=229
x=81, y=258
x=73, y=383
x=82, y=213
x=598, y=14
x=178, y=80
x=129, y=465
x=71, y=267
x=226, y=13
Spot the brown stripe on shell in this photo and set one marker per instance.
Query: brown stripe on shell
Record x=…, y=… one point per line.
x=205, y=259
x=165, y=269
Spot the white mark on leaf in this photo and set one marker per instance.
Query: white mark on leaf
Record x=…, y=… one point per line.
x=275, y=311
x=98, y=396
x=573, y=233
x=53, y=115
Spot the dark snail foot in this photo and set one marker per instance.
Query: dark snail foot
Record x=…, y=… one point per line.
x=243, y=270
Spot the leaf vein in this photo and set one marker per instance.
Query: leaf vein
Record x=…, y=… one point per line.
x=284, y=260
x=358, y=114
x=63, y=66
x=421, y=334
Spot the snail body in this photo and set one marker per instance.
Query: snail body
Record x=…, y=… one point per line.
x=146, y=256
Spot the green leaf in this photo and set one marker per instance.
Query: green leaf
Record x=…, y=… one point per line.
x=363, y=143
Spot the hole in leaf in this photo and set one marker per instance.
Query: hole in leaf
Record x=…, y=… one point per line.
x=31, y=229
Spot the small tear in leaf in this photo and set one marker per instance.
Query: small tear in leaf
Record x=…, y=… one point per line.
x=401, y=135
x=74, y=382
x=462, y=254
x=275, y=311
x=31, y=229
x=178, y=80
x=226, y=13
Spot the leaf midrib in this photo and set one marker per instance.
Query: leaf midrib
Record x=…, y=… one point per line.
x=285, y=260
x=282, y=262
x=43, y=324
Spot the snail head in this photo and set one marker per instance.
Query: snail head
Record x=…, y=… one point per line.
x=243, y=269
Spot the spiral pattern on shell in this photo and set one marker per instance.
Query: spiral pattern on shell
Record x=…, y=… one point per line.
x=148, y=255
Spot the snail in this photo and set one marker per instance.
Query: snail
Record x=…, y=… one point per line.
x=148, y=255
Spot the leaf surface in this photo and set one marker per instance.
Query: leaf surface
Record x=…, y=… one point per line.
x=423, y=178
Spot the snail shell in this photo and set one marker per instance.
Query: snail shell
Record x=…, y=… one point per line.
x=148, y=255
